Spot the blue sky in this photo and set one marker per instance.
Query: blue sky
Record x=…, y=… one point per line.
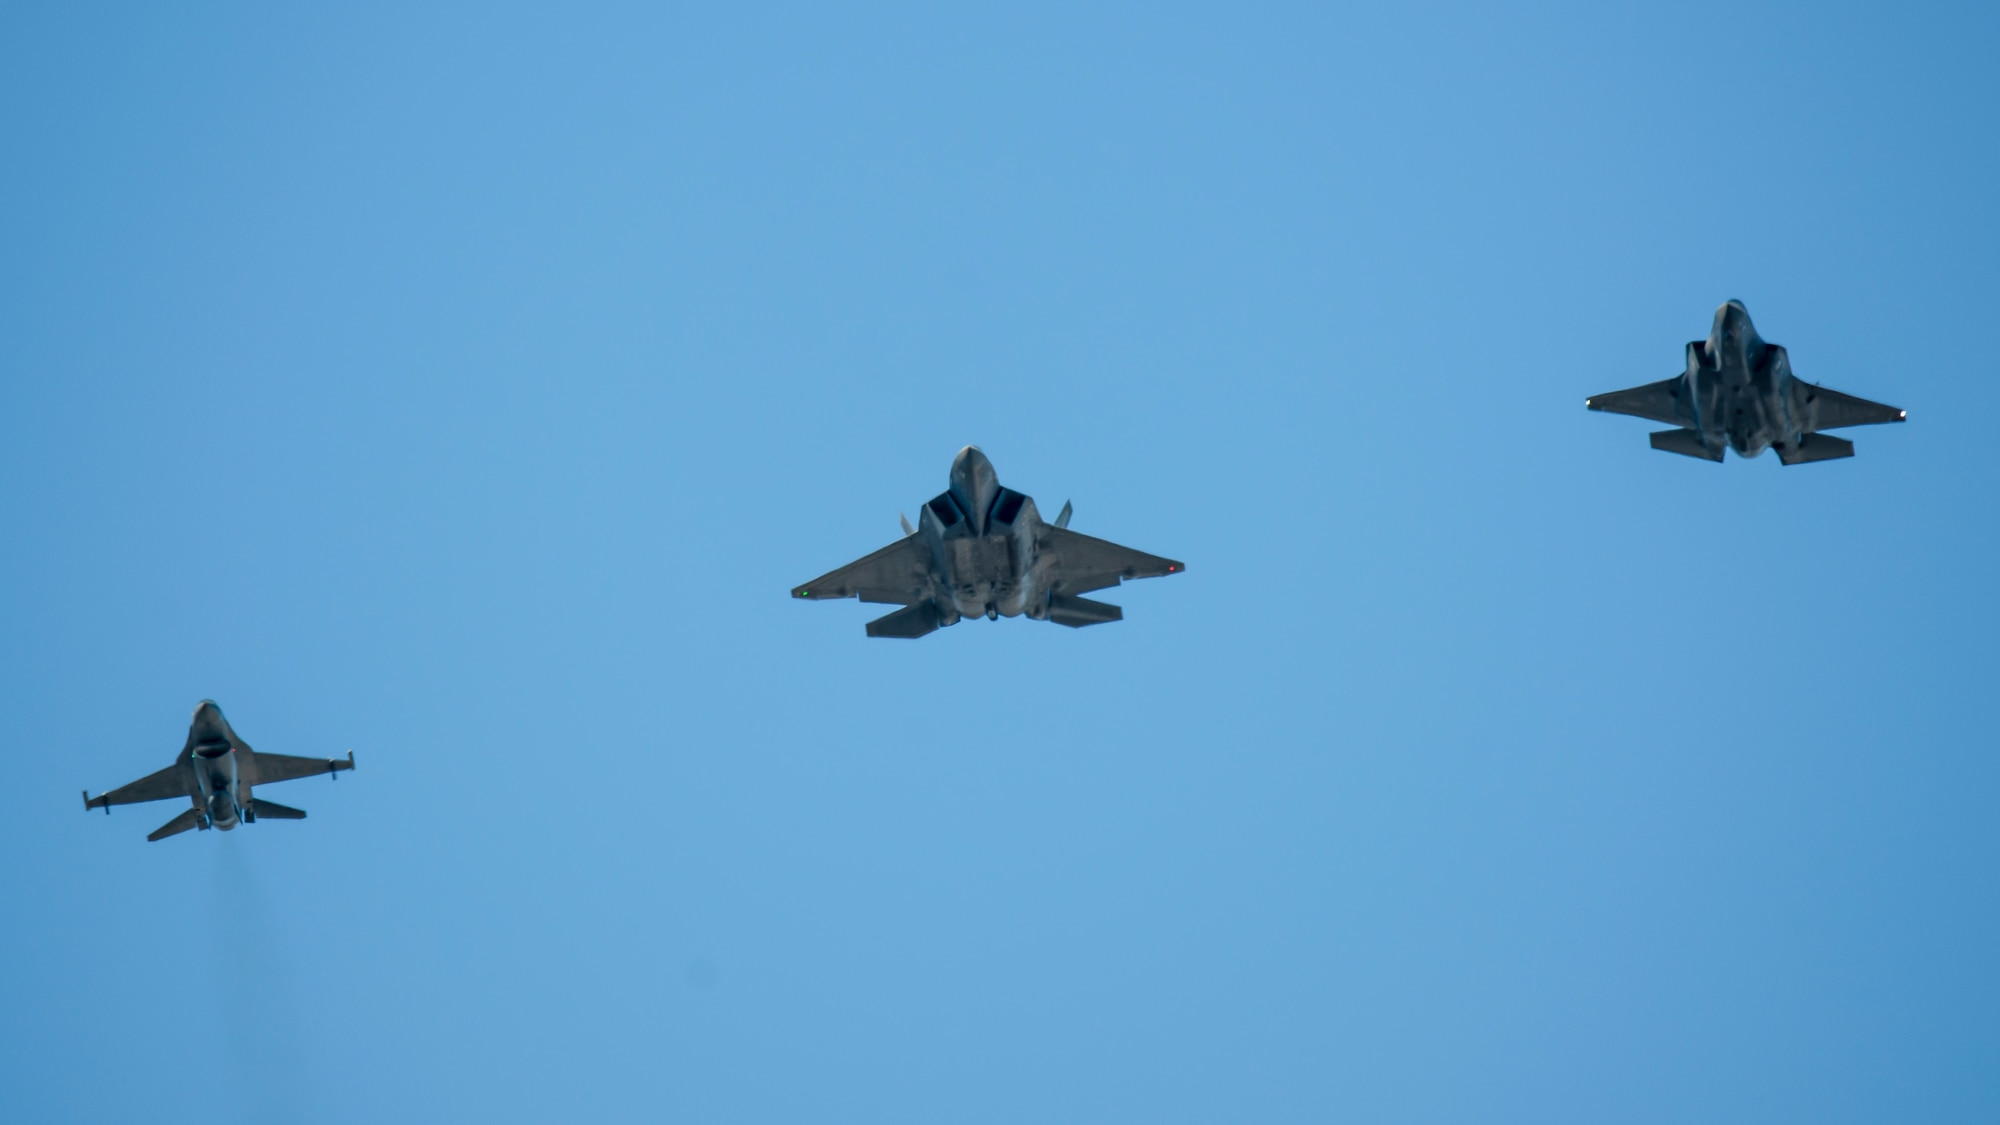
x=467, y=386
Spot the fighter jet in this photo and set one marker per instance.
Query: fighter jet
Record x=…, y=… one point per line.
x=981, y=549
x=216, y=771
x=1739, y=392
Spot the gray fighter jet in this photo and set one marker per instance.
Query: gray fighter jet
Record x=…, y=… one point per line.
x=1739, y=392
x=216, y=771
x=979, y=549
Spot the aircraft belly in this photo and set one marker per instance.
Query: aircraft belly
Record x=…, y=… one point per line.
x=983, y=576
x=218, y=779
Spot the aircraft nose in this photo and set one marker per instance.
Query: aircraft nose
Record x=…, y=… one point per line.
x=975, y=484
x=1729, y=320
x=970, y=461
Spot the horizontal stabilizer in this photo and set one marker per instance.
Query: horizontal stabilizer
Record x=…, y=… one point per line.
x=1075, y=612
x=178, y=825
x=909, y=624
x=1687, y=443
x=274, y=810
x=1815, y=447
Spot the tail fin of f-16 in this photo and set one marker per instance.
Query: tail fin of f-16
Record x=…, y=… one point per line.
x=1687, y=443
x=272, y=809
x=1815, y=447
x=178, y=825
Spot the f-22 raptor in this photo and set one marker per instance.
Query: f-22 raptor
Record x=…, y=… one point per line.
x=217, y=771
x=983, y=550
x=1739, y=392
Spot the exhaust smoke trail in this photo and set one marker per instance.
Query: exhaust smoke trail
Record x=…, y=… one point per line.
x=255, y=995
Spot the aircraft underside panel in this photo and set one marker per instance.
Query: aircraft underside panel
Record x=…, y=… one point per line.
x=986, y=560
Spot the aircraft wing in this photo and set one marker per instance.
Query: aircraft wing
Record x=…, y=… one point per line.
x=273, y=768
x=899, y=574
x=161, y=786
x=1081, y=563
x=1829, y=410
x=1660, y=402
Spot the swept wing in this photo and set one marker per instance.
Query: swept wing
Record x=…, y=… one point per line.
x=899, y=574
x=167, y=783
x=273, y=768
x=1079, y=563
x=1824, y=409
x=1659, y=402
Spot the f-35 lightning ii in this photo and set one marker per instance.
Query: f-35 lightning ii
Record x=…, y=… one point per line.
x=979, y=548
x=217, y=771
x=1739, y=392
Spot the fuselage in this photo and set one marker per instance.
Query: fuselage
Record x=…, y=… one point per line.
x=213, y=757
x=982, y=539
x=1740, y=388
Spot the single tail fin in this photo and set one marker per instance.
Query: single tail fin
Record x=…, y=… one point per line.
x=1815, y=447
x=178, y=825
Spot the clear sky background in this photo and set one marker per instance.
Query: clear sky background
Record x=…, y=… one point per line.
x=466, y=387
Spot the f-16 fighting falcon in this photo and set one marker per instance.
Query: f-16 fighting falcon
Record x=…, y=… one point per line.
x=216, y=771
x=1739, y=392
x=981, y=549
